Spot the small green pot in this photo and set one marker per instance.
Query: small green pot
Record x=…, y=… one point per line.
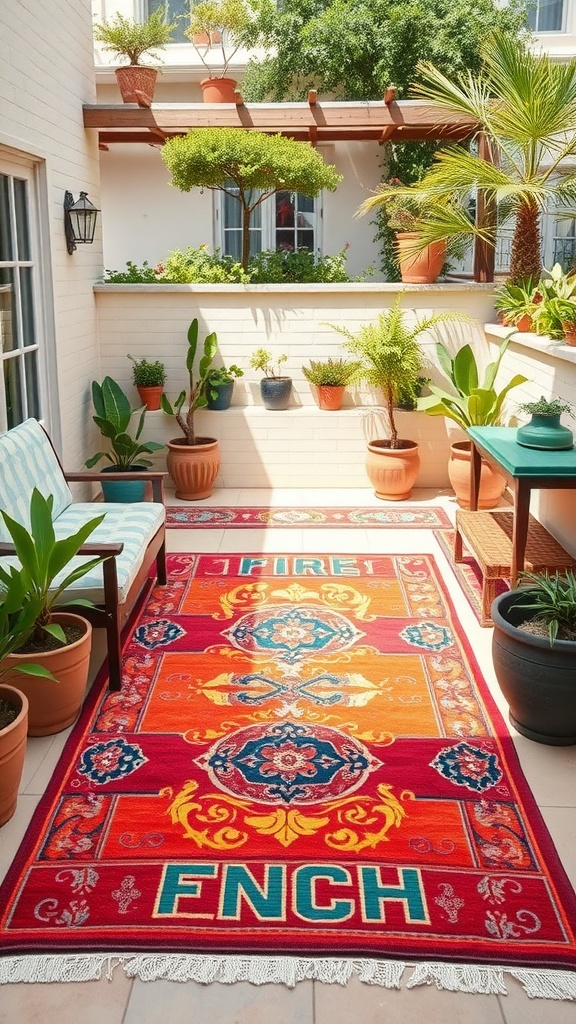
x=545, y=431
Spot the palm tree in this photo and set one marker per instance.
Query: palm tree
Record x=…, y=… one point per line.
x=525, y=107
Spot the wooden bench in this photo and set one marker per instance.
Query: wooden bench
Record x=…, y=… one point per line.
x=488, y=535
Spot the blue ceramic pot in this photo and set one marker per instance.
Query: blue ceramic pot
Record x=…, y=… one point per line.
x=124, y=492
x=223, y=399
x=276, y=392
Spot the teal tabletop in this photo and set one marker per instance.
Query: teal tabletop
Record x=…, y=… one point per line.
x=520, y=461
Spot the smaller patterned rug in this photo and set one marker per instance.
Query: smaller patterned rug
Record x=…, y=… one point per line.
x=467, y=573
x=180, y=517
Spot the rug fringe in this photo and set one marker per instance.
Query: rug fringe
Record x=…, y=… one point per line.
x=285, y=970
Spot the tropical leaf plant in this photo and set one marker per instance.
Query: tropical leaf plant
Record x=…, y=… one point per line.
x=553, y=601
x=195, y=393
x=524, y=105
x=113, y=416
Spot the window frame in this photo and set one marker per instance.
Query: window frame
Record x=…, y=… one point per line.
x=268, y=222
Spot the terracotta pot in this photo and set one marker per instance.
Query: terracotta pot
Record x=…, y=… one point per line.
x=150, y=397
x=12, y=751
x=203, y=39
x=424, y=267
x=492, y=483
x=218, y=90
x=569, y=332
x=392, y=471
x=53, y=706
x=329, y=396
x=193, y=468
x=137, y=84
x=524, y=324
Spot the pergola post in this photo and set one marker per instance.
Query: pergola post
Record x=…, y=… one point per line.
x=486, y=215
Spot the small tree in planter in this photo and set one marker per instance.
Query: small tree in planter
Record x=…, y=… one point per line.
x=130, y=40
x=248, y=166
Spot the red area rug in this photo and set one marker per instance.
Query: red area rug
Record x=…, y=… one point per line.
x=241, y=517
x=467, y=573
x=303, y=776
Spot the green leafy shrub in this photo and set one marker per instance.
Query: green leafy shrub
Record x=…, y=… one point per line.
x=200, y=266
x=330, y=372
x=147, y=374
x=132, y=275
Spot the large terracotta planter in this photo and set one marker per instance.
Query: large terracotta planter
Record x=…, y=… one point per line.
x=538, y=679
x=329, y=396
x=392, y=471
x=425, y=266
x=218, y=90
x=492, y=483
x=54, y=706
x=12, y=751
x=137, y=83
x=193, y=468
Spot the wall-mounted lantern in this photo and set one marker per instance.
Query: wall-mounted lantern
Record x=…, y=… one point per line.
x=79, y=220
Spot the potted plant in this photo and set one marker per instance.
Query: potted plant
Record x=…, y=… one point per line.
x=544, y=429
x=57, y=646
x=220, y=386
x=534, y=655
x=556, y=318
x=470, y=403
x=275, y=389
x=217, y=30
x=149, y=378
x=193, y=461
x=113, y=416
x=402, y=214
x=131, y=39
x=328, y=379
x=391, y=361
x=516, y=304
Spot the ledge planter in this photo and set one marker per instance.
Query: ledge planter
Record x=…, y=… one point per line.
x=423, y=267
x=151, y=397
x=12, y=750
x=218, y=90
x=329, y=397
x=137, y=84
x=276, y=392
x=124, y=492
x=538, y=679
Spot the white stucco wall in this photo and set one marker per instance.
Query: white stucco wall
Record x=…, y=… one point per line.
x=46, y=73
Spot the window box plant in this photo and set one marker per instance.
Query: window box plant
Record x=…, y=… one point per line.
x=516, y=304
x=534, y=655
x=275, y=389
x=125, y=455
x=193, y=461
x=130, y=40
x=220, y=386
x=471, y=403
x=544, y=429
x=328, y=379
x=149, y=378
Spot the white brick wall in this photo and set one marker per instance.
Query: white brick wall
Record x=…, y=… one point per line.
x=302, y=446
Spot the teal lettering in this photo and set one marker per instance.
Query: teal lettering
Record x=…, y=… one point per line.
x=345, y=567
x=309, y=567
x=305, y=893
x=239, y=883
x=375, y=894
x=248, y=564
x=179, y=882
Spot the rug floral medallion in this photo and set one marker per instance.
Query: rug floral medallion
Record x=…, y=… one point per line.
x=304, y=760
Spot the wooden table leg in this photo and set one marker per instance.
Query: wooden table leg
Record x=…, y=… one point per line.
x=475, y=469
x=520, y=527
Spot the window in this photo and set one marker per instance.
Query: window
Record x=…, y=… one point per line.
x=19, y=373
x=286, y=220
x=175, y=9
x=546, y=15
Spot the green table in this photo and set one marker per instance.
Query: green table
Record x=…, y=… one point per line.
x=526, y=469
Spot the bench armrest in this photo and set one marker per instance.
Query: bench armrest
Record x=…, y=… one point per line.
x=95, y=550
x=155, y=477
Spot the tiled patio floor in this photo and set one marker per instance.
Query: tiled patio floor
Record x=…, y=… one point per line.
x=551, y=773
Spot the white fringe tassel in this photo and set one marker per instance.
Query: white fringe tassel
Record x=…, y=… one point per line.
x=284, y=970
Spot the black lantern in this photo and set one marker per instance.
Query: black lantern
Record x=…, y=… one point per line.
x=79, y=220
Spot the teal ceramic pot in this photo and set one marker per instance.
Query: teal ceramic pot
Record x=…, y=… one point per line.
x=276, y=392
x=123, y=492
x=223, y=399
x=545, y=431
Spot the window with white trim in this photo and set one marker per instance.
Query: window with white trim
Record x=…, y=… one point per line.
x=286, y=220
x=177, y=13
x=546, y=15
x=19, y=347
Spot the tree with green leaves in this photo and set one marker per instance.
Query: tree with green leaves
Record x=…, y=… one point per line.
x=525, y=104
x=248, y=166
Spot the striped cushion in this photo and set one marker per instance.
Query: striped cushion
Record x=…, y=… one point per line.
x=133, y=525
x=27, y=460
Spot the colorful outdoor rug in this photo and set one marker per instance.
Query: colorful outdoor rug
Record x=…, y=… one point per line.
x=304, y=776
x=467, y=573
x=180, y=517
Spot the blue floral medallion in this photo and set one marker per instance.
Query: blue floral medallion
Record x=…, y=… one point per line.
x=110, y=760
x=157, y=634
x=428, y=635
x=293, y=633
x=296, y=764
x=464, y=765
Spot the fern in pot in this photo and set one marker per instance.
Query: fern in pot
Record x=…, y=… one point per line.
x=328, y=379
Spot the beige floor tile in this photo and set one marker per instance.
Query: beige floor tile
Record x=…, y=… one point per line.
x=189, y=1003
x=552, y=772
x=89, y=1002
x=12, y=833
x=183, y=541
x=561, y=823
x=371, y=1004
x=517, y=1008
